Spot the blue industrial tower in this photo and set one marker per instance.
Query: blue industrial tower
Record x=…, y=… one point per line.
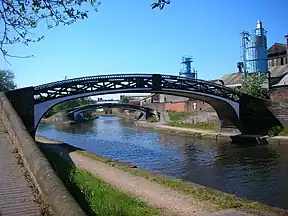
x=254, y=50
x=254, y=54
x=187, y=71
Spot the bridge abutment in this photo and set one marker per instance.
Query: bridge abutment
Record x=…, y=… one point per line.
x=255, y=116
x=22, y=101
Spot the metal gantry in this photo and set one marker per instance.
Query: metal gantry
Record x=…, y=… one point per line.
x=135, y=82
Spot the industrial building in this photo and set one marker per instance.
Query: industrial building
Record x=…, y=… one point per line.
x=256, y=58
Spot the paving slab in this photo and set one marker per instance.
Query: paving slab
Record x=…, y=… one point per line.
x=16, y=198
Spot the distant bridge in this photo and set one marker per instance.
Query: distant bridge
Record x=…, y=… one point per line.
x=235, y=109
x=145, y=111
x=106, y=101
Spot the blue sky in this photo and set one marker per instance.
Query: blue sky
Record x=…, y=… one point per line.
x=127, y=36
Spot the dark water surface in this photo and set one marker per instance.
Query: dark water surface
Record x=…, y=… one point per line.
x=255, y=172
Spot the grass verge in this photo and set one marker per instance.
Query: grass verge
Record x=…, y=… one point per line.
x=93, y=195
x=219, y=200
x=211, y=127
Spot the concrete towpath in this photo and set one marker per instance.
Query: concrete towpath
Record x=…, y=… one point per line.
x=169, y=201
x=16, y=198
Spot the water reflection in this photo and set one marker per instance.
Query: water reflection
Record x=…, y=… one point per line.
x=255, y=172
x=84, y=128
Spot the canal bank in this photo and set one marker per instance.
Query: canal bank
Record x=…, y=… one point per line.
x=171, y=196
x=255, y=172
x=207, y=134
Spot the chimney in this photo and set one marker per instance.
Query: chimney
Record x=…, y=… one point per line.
x=286, y=37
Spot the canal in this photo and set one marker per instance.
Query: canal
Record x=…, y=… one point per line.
x=256, y=172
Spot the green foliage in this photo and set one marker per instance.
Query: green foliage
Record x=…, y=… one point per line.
x=284, y=131
x=176, y=116
x=274, y=131
x=93, y=195
x=7, y=80
x=204, y=126
x=151, y=119
x=253, y=85
x=124, y=99
x=69, y=104
x=19, y=17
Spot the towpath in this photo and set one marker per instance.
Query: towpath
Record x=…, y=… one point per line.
x=16, y=197
x=158, y=196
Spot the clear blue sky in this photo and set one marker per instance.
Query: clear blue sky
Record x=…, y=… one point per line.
x=127, y=36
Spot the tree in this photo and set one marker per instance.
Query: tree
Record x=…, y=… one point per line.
x=124, y=99
x=19, y=17
x=253, y=85
x=7, y=80
x=69, y=104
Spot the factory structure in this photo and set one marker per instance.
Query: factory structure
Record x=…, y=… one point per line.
x=256, y=57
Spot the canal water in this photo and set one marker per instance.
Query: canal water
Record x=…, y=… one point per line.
x=256, y=172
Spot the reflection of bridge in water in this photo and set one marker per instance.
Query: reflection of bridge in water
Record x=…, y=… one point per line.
x=235, y=109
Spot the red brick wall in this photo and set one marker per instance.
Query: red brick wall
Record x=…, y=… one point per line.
x=277, y=95
x=179, y=107
x=187, y=106
x=134, y=102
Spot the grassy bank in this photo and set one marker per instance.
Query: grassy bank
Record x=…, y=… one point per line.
x=217, y=199
x=93, y=195
x=176, y=116
x=211, y=127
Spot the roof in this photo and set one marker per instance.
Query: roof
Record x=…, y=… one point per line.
x=277, y=48
x=231, y=79
x=235, y=78
x=279, y=71
x=283, y=81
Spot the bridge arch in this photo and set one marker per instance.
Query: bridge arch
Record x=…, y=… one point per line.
x=144, y=110
x=224, y=100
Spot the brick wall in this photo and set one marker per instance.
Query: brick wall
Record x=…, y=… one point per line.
x=188, y=106
x=279, y=94
x=281, y=112
x=179, y=107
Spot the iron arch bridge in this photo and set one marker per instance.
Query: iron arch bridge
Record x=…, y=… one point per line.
x=145, y=111
x=250, y=115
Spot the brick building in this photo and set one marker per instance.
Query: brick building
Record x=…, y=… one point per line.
x=278, y=68
x=163, y=102
x=278, y=54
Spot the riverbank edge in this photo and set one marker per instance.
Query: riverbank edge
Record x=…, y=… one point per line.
x=70, y=122
x=198, y=133
x=47, y=184
x=221, y=200
x=94, y=195
x=49, y=121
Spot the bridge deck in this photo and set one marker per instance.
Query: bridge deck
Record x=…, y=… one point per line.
x=16, y=197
